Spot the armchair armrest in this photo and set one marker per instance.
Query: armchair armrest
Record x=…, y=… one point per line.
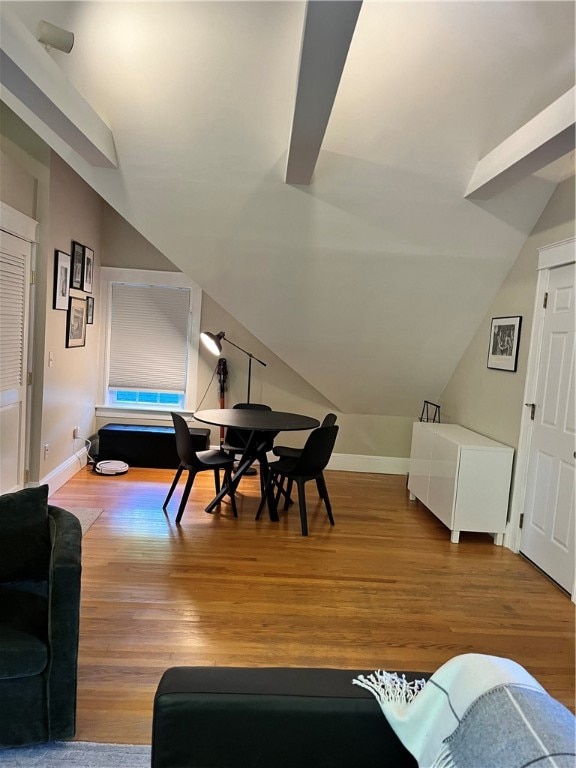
x=64, y=619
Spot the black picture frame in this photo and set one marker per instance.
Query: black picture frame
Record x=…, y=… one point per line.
x=89, y=310
x=77, y=269
x=62, y=268
x=87, y=270
x=504, y=343
x=76, y=322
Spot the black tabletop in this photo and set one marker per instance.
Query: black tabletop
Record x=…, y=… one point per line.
x=263, y=421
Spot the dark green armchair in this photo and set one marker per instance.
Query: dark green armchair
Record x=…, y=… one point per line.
x=40, y=565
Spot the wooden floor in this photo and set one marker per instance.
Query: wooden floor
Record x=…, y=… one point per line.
x=384, y=588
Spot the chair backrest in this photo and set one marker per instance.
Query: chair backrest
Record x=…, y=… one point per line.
x=329, y=420
x=253, y=406
x=184, y=442
x=316, y=452
x=237, y=438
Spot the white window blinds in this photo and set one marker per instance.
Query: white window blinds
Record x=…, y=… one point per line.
x=149, y=337
x=12, y=307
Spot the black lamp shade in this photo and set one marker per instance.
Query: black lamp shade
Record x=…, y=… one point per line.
x=212, y=341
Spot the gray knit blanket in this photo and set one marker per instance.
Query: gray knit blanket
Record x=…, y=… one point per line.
x=477, y=711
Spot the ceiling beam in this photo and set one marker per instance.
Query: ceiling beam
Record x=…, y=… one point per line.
x=328, y=30
x=545, y=138
x=34, y=80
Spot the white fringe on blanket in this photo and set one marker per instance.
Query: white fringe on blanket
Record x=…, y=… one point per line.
x=424, y=714
x=389, y=687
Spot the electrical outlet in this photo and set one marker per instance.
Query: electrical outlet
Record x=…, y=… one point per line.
x=76, y=433
x=46, y=449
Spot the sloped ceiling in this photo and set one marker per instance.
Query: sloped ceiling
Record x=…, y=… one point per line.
x=370, y=281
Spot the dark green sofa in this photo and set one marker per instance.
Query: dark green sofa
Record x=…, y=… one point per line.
x=40, y=552
x=219, y=717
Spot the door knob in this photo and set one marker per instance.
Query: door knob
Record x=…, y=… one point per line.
x=532, y=407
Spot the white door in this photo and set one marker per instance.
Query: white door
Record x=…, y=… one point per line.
x=548, y=532
x=15, y=263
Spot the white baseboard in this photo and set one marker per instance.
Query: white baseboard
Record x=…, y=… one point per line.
x=353, y=462
x=383, y=465
x=65, y=471
x=346, y=462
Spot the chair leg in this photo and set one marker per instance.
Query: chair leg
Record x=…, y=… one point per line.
x=302, y=503
x=187, y=489
x=288, y=493
x=173, y=486
x=228, y=481
x=324, y=495
x=263, y=479
x=217, y=481
x=265, y=493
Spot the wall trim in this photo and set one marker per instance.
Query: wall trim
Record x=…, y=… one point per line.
x=64, y=472
x=352, y=462
x=345, y=462
x=383, y=465
x=18, y=224
x=557, y=254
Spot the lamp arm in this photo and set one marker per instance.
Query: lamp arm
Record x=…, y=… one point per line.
x=250, y=355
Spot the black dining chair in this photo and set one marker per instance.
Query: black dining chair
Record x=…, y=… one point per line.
x=236, y=440
x=293, y=453
x=197, y=461
x=309, y=465
x=286, y=451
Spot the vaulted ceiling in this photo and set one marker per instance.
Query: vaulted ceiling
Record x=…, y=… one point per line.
x=371, y=279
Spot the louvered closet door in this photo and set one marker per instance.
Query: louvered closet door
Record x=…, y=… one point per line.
x=15, y=259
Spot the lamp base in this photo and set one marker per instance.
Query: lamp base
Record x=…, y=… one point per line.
x=249, y=471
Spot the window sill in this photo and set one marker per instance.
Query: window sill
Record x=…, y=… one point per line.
x=131, y=412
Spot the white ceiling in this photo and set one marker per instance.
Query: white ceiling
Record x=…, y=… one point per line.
x=371, y=281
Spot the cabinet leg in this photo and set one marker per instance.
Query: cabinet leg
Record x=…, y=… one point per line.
x=454, y=537
x=498, y=539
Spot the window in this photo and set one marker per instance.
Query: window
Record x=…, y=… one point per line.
x=152, y=322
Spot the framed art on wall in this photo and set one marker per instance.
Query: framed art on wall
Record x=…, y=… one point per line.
x=62, y=263
x=88, y=270
x=77, y=264
x=76, y=322
x=504, y=338
x=90, y=310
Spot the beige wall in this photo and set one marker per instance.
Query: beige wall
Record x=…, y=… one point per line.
x=490, y=401
x=281, y=387
x=70, y=383
x=17, y=186
x=123, y=246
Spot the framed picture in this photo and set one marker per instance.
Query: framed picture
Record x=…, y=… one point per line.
x=88, y=269
x=77, y=264
x=504, y=338
x=61, y=279
x=90, y=310
x=76, y=325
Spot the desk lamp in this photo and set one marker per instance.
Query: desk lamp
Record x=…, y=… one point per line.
x=213, y=343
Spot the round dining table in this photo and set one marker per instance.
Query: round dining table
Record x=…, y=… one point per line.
x=254, y=422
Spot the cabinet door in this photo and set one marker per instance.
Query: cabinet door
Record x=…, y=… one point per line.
x=443, y=474
x=483, y=490
x=420, y=453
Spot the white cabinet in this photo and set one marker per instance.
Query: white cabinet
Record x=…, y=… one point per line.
x=462, y=477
